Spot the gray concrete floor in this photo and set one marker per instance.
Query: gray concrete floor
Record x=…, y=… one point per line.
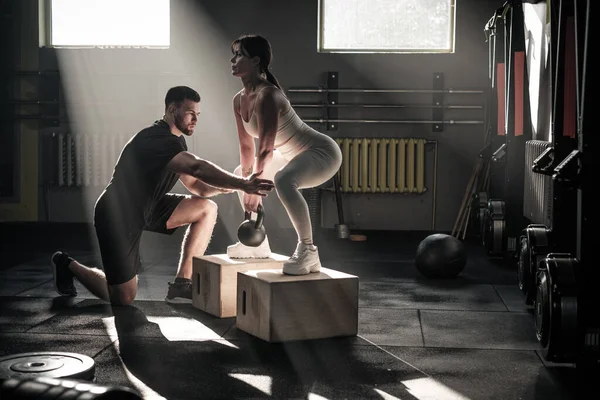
x=468, y=338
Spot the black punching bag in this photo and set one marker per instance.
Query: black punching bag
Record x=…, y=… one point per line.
x=440, y=256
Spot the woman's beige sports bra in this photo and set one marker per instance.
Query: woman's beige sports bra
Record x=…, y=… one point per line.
x=289, y=126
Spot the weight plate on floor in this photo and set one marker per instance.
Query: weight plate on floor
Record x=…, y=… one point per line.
x=47, y=364
x=560, y=330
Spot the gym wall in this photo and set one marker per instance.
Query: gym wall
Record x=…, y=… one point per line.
x=199, y=57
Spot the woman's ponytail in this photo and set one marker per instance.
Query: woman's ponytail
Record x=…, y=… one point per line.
x=271, y=78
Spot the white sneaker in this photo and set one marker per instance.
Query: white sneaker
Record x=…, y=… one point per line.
x=240, y=250
x=304, y=261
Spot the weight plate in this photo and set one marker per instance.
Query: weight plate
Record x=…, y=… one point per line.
x=498, y=228
x=47, y=364
x=483, y=199
x=523, y=266
x=482, y=223
x=543, y=312
x=562, y=338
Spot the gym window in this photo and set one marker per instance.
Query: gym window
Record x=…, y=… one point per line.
x=386, y=26
x=105, y=23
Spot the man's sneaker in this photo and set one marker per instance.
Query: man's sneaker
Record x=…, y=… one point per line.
x=63, y=277
x=240, y=250
x=180, y=292
x=304, y=260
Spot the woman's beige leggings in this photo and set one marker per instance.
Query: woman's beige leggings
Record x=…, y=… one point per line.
x=312, y=167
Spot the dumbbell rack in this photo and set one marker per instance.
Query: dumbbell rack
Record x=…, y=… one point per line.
x=561, y=273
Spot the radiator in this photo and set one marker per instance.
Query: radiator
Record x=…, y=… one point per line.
x=382, y=165
x=537, y=200
x=87, y=160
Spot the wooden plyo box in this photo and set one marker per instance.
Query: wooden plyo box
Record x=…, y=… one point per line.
x=214, y=280
x=277, y=307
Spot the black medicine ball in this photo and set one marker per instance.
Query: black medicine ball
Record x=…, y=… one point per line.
x=440, y=256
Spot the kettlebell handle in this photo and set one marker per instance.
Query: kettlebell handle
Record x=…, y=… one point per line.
x=260, y=214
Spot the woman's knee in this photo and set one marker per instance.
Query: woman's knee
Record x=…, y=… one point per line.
x=285, y=180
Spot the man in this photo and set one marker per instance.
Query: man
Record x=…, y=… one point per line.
x=137, y=199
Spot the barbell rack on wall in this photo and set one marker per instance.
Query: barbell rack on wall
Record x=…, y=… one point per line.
x=30, y=102
x=51, y=118
x=46, y=88
x=330, y=105
x=358, y=90
x=45, y=72
x=320, y=105
x=392, y=121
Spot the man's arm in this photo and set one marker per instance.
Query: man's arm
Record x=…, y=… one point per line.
x=186, y=163
x=200, y=188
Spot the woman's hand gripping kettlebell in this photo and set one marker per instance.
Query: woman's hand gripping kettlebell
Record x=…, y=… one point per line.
x=252, y=233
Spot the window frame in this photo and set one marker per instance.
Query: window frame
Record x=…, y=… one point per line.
x=321, y=48
x=45, y=33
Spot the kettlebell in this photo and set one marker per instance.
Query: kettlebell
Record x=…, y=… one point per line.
x=252, y=233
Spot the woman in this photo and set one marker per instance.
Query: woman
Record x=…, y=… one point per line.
x=288, y=151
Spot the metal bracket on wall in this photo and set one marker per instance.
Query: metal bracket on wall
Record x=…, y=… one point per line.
x=438, y=102
x=332, y=100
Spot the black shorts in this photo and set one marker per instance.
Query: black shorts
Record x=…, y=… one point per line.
x=119, y=237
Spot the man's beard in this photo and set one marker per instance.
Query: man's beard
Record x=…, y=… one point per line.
x=182, y=128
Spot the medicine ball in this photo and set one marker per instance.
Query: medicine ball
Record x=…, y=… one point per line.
x=440, y=256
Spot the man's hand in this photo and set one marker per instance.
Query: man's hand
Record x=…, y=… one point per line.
x=258, y=186
x=251, y=202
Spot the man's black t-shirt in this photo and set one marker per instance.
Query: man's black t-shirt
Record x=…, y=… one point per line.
x=140, y=177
